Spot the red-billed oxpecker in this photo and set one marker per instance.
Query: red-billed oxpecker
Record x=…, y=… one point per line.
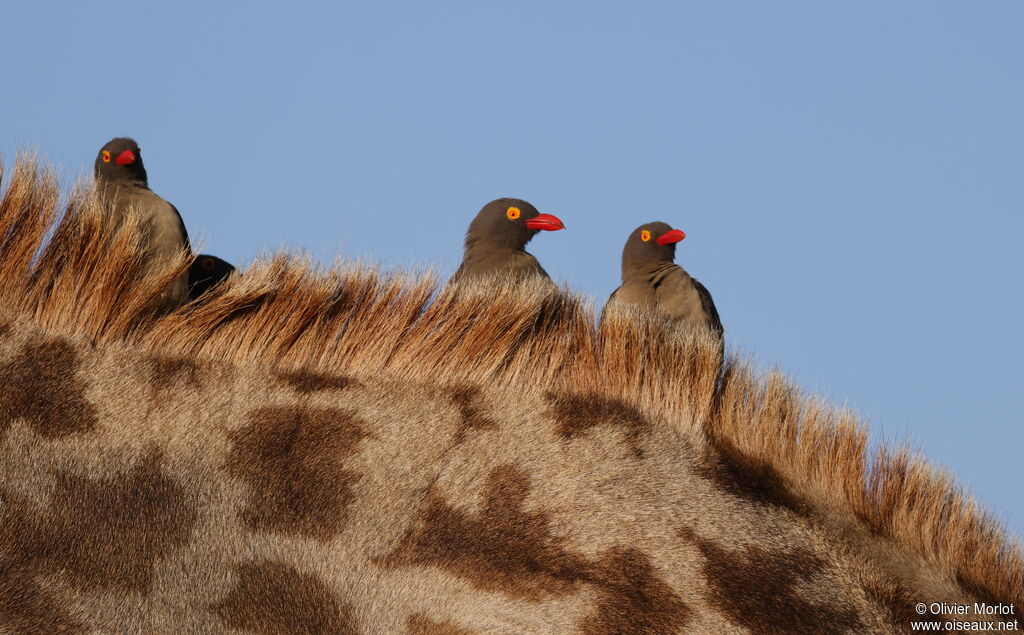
x=205, y=273
x=123, y=188
x=651, y=280
x=496, y=242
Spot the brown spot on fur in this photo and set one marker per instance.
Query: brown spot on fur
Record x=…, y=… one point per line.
x=40, y=385
x=982, y=594
x=101, y=534
x=472, y=419
x=292, y=459
x=111, y=533
x=26, y=608
x=632, y=598
x=168, y=371
x=895, y=602
x=420, y=624
x=759, y=589
x=502, y=548
x=275, y=598
x=26, y=604
x=304, y=381
x=576, y=414
x=747, y=478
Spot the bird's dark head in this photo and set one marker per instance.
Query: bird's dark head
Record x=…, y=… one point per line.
x=651, y=243
x=120, y=160
x=509, y=222
x=205, y=272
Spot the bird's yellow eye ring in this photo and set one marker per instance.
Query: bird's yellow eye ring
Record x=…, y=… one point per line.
x=208, y=264
x=512, y=213
x=106, y=156
x=645, y=235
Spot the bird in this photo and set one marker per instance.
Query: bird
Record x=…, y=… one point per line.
x=496, y=242
x=651, y=280
x=206, y=272
x=123, y=188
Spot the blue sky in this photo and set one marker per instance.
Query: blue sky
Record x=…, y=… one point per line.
x=849, y=175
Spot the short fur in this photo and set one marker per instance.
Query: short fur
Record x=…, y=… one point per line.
x=349, y=451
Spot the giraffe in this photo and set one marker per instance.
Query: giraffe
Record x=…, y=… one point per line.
x=354, y=451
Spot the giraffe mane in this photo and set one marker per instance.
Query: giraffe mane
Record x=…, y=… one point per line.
x=63, y=271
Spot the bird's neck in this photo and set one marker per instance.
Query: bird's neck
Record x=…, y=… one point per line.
x=643, y=270
x=110, y=185
x=476, y=248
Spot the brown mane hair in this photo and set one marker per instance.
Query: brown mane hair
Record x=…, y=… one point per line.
x=62, y=270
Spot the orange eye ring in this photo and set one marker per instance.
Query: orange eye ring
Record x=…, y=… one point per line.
x=208, y=264
x=645, y=235
x=513, y=213
x=106, y=156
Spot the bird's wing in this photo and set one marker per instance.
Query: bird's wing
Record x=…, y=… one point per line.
x=181, y=224
x=708, y=304
x=610, y=303
x=680, y=297
x=459, y=273
x=167, y=230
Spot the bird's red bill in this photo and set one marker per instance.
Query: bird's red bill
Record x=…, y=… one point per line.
x=671, y=236
x=125, y=158
x=545, y=222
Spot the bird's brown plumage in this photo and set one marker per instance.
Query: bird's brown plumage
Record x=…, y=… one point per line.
x=123, y=188
x=496, y=242
x=651, y=280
